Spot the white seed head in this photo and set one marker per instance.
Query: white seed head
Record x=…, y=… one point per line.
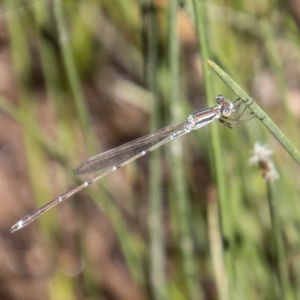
x=261, y=156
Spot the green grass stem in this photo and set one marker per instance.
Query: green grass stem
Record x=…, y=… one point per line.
x=279, y=252
x=72, y=74
x=216, y=158
x=258, y=111
x=157, y=254
x=182, y=201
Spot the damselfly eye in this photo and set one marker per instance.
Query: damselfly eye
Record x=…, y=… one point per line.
x=220, y=98
x=226, y=112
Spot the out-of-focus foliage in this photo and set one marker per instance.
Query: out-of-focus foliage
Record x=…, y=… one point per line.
x=75, y=80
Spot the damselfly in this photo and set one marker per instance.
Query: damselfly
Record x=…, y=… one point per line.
x=116, y=158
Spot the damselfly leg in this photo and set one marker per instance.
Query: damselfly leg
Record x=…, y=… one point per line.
x=240, y=117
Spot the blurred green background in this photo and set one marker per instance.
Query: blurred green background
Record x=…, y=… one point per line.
x=192, y=219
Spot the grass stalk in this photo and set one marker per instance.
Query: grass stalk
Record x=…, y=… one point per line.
x=29, y=126
x=157, y=255
x=279, y=252
x=176, y=158
x=259, y=113
x=201, y=20
x=72, y=74
x=261, y=156
x=122, y=231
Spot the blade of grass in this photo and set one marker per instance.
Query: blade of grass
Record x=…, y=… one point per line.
x=261, y=156
x=29, y=126
x=257, y=110
x=157, y=255
x=201, y=20
x=176, y=157
x=127, y=241
x=72, y=74
x=278, y=244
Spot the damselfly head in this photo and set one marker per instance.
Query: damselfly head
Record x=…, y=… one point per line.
x=226, y=107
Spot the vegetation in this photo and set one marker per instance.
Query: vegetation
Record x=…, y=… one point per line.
x=192, y=220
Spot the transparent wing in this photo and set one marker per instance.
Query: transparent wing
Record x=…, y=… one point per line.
x=130, y=151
